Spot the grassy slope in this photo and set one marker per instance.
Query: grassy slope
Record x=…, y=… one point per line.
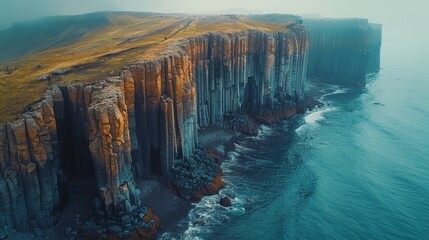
x=46, y=33
x=126, y=38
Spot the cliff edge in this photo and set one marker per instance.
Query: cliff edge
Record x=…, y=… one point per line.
x=343, y=51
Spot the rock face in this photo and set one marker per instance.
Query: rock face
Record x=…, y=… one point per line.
x=203, y=78
x=29, y=168
x=343, y=51
x=110, y=145
x=373, y=64
x=143, y=122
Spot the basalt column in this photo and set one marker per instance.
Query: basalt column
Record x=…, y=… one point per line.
x=252, y=72
x=110, y=147
x=28, y=169
x=203, y=78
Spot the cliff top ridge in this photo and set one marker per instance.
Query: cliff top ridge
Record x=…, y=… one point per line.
x=89, y=47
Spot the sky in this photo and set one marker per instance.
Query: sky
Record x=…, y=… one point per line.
x=400, y=18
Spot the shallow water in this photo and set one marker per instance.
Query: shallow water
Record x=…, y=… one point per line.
x=356, y=169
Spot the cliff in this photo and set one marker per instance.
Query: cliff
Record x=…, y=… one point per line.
x=30, y=168
x=373, y=64
x=143, y=122
x=343, y=51
x=64, y=50
x=143, y=119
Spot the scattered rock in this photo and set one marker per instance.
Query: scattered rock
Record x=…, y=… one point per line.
x=46, y=77
x=310, y=103
x=2, y=235
x=61, y=71
x=116, y=229
x=68, y=230
x=199, y=223
x=38, y=232
x=126, y=219
x=127, y=233
x=225, y=202
x=144, y=210
x=121, y=226
x=197, y=175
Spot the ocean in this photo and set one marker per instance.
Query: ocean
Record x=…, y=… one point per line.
x=358, y=168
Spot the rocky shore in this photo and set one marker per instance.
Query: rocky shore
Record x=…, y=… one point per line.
x=198, y=175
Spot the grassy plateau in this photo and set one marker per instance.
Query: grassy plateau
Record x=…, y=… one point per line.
x=92, y=46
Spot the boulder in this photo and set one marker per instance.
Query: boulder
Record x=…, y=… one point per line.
x=225, y=202
x=43, y=78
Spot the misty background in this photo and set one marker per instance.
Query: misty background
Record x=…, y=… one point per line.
x=404, y=22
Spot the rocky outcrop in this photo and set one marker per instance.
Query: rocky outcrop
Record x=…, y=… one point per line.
x=225, y=202
x=140, y=224
x=202, y=169
x=29, y=168
x=343, y=51
x=110, y=146
x=145, y=122
x=100, y=139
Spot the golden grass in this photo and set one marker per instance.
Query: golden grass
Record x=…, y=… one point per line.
x=124, y=40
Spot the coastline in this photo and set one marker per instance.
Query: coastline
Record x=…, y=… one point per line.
x=165, y=204
x=124, y=109
x=218, y=141
x=173, y=208
x=156, y=194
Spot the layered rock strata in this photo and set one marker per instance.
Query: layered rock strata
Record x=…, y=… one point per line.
x=343, y=51
x=145, y=121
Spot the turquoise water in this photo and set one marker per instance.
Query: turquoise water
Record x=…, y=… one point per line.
x=356, y=169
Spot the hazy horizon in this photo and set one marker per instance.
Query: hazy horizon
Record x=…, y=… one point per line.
x=376, y=11
x=400, y=19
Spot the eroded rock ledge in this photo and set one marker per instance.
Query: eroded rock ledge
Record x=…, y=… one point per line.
x=143, y=122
